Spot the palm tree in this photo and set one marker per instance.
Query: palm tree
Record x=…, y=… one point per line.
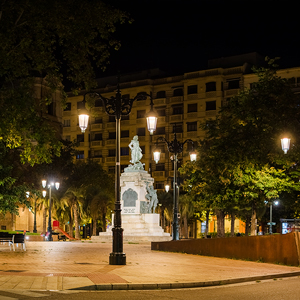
x=99, y=201
x=74, y=199
x=186, y=209
x=165, y=207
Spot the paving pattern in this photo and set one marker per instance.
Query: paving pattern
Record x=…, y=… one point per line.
x=78, y=264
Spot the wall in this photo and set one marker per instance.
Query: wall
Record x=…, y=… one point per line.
x=276, y=248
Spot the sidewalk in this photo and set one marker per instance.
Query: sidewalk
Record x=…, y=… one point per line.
x=84, y=265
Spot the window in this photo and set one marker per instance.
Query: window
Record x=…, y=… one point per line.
x=160, y=167
x=178, y=92
x=97, y=153
x=177, y=127
x=51, y=110
x=112, y=136
x=80, y=155
x=177, y=109
x=191, y=126
x=80, y=105
x=68, y=106
x=98, y=137
x=98, y=103
x=159, y=185
x=80, y=138
x=161, y=112
x=111, y=152
x=67, y=123
x=111, y=119
x=192, y=107
x=192, y=89
x=233, y=83
x=140, y=114
x=98, y=121
x=124, y=133
x=211, y=105
x=125, y=117
x=160, y=130
x=161, y=94
x=211, y=86
x=141, y=131
x=124, y=151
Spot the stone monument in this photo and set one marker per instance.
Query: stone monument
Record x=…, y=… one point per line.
x=138, y=202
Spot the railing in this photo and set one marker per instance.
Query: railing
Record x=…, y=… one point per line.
x=96, y=143
x=176, y=99
x=176, y=118
x=159, y=174
x=110, y=142
x=160, y=101
x=96, y=126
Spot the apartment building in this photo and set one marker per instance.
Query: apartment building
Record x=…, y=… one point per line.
x=182, y=101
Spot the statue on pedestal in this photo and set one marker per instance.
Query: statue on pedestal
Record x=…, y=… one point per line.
x=152, y=197
x=136, y=156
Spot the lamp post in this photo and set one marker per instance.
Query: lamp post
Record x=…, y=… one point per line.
x=176, y=148
x=271, y=210
x=118, y=106
x=34, y=214
x=44, y=184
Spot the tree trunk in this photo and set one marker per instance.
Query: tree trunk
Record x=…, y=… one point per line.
x=247, y=226
x=185, y=226
x=195, y=229
x=104, y=221
x=232, y=224
x=76, y=221
x=44, y=220
x=220, y=224
x=94, y=226
x=206, y=224
x=253, y=222
x=71, y=225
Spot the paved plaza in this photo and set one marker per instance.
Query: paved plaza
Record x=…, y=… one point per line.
x=84, y=265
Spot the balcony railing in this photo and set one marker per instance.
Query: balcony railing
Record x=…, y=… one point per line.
x=96, y=143
x=159, y=174
x=97, y=126
x=176, y=99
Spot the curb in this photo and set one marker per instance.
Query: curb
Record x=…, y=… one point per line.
x=178, y=285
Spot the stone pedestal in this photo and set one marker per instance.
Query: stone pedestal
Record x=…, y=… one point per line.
x=138, y=225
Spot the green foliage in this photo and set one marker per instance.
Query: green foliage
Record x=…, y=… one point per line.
x=45, y=43
x=241, y=164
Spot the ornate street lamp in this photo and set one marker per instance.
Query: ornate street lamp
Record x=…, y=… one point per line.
x=176, y=148
x=44, y=184
x=118, y=106
x=167, y=188
x=285, y=144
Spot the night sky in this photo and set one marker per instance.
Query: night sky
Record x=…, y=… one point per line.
x=182, y=35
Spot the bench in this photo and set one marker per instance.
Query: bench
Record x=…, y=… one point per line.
x=13, y=239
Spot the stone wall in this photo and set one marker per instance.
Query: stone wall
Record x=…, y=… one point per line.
x=278, y=248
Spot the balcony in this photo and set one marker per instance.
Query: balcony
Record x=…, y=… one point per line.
x=192, y=97
x=158, y=174
x=232, y=92
x=111, y=125
x=192, y=115
x=175, y=118
x=67, y=113
x=125, y=158
x=96, y=143
x=211, y=113
x=176, y=99
x=211, y=94
x=110, y=159
x=97, y=126
x=160, y=101
x=161, y=120
x=141, y=121
x=97, y=159
x=110, y=142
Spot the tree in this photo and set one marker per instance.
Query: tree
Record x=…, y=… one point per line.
x=240, y=164
x=40, y=49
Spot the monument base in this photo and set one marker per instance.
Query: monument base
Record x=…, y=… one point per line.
x=137, y=228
